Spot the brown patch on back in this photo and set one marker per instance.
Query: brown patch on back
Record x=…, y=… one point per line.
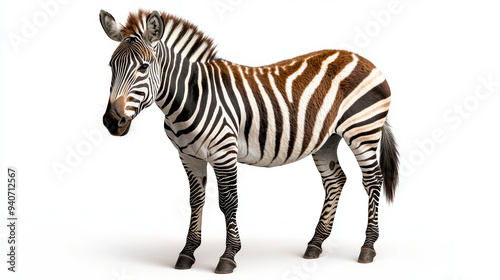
x=360, y=72
x=319, y=95
x=297, y=58
x=312, y=69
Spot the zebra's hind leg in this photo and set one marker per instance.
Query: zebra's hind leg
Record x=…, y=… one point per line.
x=333, y=178
x=226, y=174
x=196, y=171
x=364, y=146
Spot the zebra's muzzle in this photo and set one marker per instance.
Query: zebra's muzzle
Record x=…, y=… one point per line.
x=115, y=120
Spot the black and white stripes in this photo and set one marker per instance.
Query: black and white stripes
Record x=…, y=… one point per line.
x=221, y=113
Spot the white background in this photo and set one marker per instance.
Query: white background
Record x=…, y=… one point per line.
x=121, y=209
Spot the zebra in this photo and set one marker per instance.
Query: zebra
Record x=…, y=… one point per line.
x=221, y=113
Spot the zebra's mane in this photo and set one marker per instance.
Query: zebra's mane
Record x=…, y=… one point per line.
x=178, y=33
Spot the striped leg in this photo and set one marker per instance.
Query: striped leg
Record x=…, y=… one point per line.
x=333, y=181
x=372, y=181
x=365, y=150
x=228, y=203
x=196, y=171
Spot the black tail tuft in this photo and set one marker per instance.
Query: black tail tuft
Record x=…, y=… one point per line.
x=389, y=162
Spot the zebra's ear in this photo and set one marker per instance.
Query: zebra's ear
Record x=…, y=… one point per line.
x=154, y=27
x=112, y=29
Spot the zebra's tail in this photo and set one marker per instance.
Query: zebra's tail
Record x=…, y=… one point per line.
x=389, y=162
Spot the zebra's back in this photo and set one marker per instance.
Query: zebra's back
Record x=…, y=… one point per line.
x=288, y=110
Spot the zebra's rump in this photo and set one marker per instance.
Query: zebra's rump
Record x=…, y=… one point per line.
x=288, y=110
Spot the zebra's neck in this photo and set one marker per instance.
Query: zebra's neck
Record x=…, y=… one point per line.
x=181, y=51
x=179, y=85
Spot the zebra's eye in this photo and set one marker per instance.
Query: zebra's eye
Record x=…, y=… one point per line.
x=143, y=68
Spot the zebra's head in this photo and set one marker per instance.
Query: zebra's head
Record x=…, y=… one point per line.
x=135, y=69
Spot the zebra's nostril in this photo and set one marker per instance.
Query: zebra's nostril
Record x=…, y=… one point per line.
x=122, y=122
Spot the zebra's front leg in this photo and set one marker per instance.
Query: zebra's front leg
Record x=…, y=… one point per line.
x=228, y=203
x=196, y=171
x=333, y=178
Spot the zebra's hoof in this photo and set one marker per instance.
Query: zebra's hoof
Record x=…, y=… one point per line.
x=225, y=266
x=366, y=255
x=184, y=262
x=312, y=252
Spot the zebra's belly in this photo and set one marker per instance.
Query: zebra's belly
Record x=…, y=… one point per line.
x=271, y=155
x=275, y=162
